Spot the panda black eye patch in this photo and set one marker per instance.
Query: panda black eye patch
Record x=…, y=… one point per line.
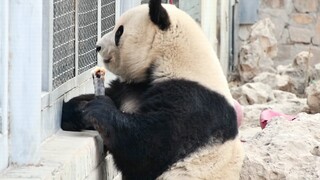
x=118, y=35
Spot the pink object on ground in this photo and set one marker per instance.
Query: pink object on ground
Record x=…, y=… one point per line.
x=267, y=114
x=239, y=112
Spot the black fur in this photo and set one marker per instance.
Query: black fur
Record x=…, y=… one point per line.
x=118, y=35
x=175, y=118
x=72, y=116
x=158, y=14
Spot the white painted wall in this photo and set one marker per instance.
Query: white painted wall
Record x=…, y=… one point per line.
x=4, y=55
x=224, y=34
x=209, y=21
x=25, y=45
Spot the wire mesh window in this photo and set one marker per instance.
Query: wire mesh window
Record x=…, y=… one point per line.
x=77, y=28
x=88, y=31
x=63, y=41
x=107, y=16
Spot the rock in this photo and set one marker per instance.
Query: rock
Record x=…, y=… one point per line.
x=244, y=32
x=302, y=18
x=284, y=150
x=273, y=3
x=316, y=72
x=284, y=54
x=283, y=96
x=266, y=78
x=299, y=73
x=300, y=35
x=303, y=60
x=252, y=93
x=305, y=6
x=256, y=53
x=316, y=38
x=313, y=97
x=263, y=31
x=316, y=151
x=277, y=16
x=275, y=81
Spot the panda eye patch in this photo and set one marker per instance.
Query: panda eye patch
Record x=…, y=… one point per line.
x=118, y=35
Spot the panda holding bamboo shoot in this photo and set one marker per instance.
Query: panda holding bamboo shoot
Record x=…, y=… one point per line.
x=170, y=114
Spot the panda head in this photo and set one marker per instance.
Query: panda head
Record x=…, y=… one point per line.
x=162, y=42
x=127, y=51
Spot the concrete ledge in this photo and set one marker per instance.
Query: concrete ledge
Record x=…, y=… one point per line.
x=66, y=156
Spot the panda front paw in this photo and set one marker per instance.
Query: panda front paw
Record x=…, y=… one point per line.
x=98, y=113
x=98, y=75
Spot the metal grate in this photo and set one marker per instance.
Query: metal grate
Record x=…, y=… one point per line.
x=107, y=16
x=77, y=29
x=63, y=41
x=88, y=34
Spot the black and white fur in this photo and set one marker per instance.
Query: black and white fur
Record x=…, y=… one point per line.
x=170, y=114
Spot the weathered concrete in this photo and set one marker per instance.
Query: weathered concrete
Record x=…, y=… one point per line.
x=65, y=156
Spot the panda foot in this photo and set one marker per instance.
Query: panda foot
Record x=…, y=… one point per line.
x=98, y=75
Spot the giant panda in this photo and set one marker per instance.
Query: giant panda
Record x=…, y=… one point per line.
x=169, y=114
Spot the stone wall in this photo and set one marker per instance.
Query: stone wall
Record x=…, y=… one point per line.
x=297, y=27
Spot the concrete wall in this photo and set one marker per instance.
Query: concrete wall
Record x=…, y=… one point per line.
x=4, y=54
x=297, y=27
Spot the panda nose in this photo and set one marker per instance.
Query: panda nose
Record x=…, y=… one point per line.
x=98, y=48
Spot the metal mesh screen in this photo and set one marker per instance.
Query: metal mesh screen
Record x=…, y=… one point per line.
x=64, y=32
x=107, y=16
x=88, y=31
x=63, y=41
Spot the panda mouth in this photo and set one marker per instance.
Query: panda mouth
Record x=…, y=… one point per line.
x=108, y=60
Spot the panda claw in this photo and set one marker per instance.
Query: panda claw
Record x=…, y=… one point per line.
x=98, y=72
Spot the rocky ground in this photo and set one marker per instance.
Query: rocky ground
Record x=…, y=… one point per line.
x=283, y=149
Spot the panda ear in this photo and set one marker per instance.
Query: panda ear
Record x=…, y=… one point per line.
x=158, y=14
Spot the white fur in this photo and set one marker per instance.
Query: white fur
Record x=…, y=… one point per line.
x=130, y=105
x=217, y=162
x=182, y=51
